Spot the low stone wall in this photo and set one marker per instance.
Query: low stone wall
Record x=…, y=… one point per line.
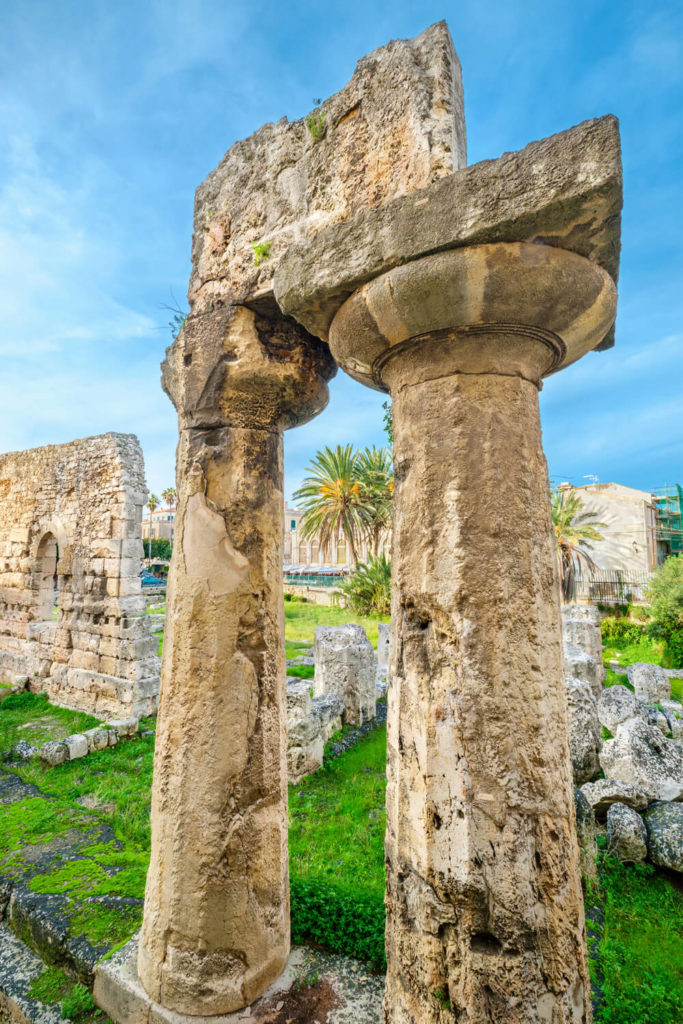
x=328, y=596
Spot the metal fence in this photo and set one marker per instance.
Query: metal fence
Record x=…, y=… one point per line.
x=313, y=579
x=610, y=586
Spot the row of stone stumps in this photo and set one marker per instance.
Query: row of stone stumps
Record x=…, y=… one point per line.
x=456, y=290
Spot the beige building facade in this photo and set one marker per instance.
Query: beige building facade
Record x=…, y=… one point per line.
x=629, y=543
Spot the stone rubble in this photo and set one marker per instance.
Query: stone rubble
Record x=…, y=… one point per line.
x=664, y=824
x=650, y=683
x=605, y=792
x=626, y=834
x=641, y=755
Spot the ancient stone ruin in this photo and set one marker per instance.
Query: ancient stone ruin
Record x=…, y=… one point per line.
x=71, y=514
x=367, y=243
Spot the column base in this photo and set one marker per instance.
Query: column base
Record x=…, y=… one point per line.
x=335, y=983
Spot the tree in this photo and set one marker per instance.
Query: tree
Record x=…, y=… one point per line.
x=376, y=474
x=368, y=589
x=332, y=500
x=170, y=496
x=665, y=594
x=152, y=504
x=575, y=530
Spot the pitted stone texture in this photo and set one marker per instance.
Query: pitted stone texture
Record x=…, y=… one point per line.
x=580, y=664
x=330, y=710
x=383, y=643
x=586, y=834
x=77, y=745
x=75, y=510
x=479, y=771
x=581, y=626
x=626, y=834
x=640, y=754
x=650, y=682
x=54, y=753
x=674, y=716
x=584, y=730
x=664, y=823
x=19, y=968
x=304, y=732
x=602, y=793
x=345, y=667
x=616, y=705
x=397, y=126
x=564, y=191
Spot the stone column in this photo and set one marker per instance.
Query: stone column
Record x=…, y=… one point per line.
x=484, y=907
x=216, y=925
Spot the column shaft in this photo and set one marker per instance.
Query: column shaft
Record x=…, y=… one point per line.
x=484, y=905
x=216, y=926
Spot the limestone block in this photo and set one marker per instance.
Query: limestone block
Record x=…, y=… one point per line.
x=124, y=726
x=383, y=640
x=566, y=189
x=24, y=751
x=654, y=716
x=112, y=736
x=54, y=753
x=640, y=754
x=674, y=716
x=580, y=664
x=381, y=681
x=616, y=705
x=649, y=682
x=581, y=626
x=584, y=730
x=97, y=738
x=330, y=711
x=602, y=793
x=345, y=667
x=626, y=834
x=664, y=824
x=77, y=745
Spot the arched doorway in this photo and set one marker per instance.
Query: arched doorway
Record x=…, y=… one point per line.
x=45, y=578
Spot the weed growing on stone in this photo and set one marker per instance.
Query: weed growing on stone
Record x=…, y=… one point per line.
x=261, y=252
x=315, y=122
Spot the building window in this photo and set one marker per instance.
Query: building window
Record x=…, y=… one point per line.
x=292, y=524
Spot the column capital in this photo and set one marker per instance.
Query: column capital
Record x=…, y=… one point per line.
x=515, y=309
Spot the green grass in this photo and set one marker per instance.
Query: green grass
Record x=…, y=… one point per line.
x=646, y=649
x=616, y=679
x=337, y=819
x=302, y=671
x=301, y=618
x=640, y=949
x=30, y=716
x=677, y=689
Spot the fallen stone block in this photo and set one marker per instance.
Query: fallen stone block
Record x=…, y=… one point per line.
x=124, y=726
x=77, y=745
x=640, y=754
x=97, y=738
x=664, y=824
x=54, y=753
x=345, y=667
x=602, y=793
x=24, y=751
x=626, y=834
x=650, y=683
x=584, y=730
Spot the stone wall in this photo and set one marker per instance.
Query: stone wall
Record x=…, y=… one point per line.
x=75, y=510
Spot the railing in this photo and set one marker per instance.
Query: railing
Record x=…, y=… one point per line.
x=610, y=586
x=313, y=579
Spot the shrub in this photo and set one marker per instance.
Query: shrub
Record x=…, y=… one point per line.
x=665, y=594
x=620, y=631
x=78, y=1003
x=339, y=919
x=368, y=589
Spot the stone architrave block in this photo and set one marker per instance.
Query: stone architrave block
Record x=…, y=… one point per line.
x=97, y=738
x=383, y=643
x=584, y=730
x=345, y=667
x=124, y=726
x=650, y=682
x=602, y=793
x=579, y=664
x=304, y=731
x=77, y=745
x=640, y=754
x=626, y=834
x=664, y=824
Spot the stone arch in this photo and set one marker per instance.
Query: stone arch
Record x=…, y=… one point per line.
x=47, y=557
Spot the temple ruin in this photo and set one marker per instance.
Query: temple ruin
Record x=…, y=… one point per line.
x=72, y=613
x=358, y=238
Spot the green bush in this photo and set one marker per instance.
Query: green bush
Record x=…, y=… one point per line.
x=339, y=919
x=621, y=631
x=665, y=594
x=79, y=1003
x=368, y=589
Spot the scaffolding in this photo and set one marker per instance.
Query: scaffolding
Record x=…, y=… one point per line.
x=668, y=502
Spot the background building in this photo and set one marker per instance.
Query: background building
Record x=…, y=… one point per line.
x=159, y=523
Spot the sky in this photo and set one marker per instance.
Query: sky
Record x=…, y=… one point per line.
x=111, y=114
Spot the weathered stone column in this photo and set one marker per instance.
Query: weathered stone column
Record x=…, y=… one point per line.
x=216, y=924
x=484, y=904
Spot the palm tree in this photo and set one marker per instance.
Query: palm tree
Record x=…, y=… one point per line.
x=368, y=589
x=376, y=472
x=170, y=495
x=152, y=504
x=332, y=499
x=575, y=530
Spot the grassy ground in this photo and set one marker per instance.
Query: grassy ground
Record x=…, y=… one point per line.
x=27, y=716
x=301, y=618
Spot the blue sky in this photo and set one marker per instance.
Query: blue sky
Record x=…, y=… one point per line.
x=112, y=113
